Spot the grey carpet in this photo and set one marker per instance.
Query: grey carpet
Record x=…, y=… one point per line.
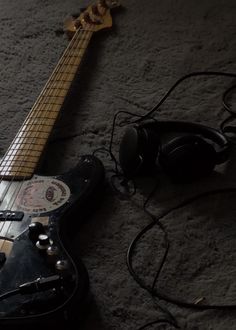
x=130, y=67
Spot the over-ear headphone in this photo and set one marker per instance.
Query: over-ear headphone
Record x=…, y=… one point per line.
x=184, y=150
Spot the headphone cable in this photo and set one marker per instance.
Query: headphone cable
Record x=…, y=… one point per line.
x=178, y=82
x=156, y=221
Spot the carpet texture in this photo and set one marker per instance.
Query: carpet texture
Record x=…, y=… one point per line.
x=130, y=67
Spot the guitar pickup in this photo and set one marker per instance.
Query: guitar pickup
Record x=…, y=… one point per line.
x=8, y=215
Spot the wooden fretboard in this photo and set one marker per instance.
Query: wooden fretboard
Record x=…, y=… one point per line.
x=21, y=158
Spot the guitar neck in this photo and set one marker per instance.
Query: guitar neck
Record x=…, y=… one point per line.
x=22, y=157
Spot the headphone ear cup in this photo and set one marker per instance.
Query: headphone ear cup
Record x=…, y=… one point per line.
x=138, y=151
x=187, y=157
x=129, y=152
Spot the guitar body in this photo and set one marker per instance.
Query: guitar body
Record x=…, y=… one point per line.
x=34, y=243
x=42, y=280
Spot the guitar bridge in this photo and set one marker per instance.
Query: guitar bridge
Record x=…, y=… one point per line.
x=8, y=215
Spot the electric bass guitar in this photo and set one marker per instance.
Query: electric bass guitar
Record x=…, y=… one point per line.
x=41, y=281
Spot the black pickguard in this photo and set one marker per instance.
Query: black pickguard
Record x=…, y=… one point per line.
x=27, y=263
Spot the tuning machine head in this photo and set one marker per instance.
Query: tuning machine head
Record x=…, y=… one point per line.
x=93, y=18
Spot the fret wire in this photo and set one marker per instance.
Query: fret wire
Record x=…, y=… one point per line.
x=17, y=173
x=43, y=114
x=29, y=141
x=7, y=163
x=71, y=65
x=45, y=110
x=61, y=80
x=36, y=147
x=34, y=136
x=14, y=167
x=57, y=88
x=71, y=49
x=51, y=103
x=24, y=143
x=38, y=119
x=9, y=157
x=46, y=131
x=51, y=116
x=13, y=152
x=68, y=81
x=57, y=96
x=45, y=117
x=66, y=72
x=51, y=97
x=33, y=131
x=42, y=117
x=36, y=125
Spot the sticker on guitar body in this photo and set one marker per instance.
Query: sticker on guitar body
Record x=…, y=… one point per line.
x=42, y=194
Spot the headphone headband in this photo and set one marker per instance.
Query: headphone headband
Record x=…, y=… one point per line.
x=194, y=128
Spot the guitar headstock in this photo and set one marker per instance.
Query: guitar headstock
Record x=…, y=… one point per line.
x=94, y=18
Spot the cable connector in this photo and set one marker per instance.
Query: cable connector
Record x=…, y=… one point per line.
x=41, y=284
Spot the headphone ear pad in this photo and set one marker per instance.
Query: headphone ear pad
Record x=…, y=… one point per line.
x=187, y=157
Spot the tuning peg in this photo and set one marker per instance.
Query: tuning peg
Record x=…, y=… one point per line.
x=95, y=11
x=70, y=26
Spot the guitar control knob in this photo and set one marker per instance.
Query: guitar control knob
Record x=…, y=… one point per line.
x=43, y=242
x=52, y=250
x=35, y=229
x=62, y=266
x=52, y=253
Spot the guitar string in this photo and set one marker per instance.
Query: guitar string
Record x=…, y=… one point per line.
x=63, y=64
x=39, y=126
x=46, y=87
x=25, y=122
x=59, y=66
